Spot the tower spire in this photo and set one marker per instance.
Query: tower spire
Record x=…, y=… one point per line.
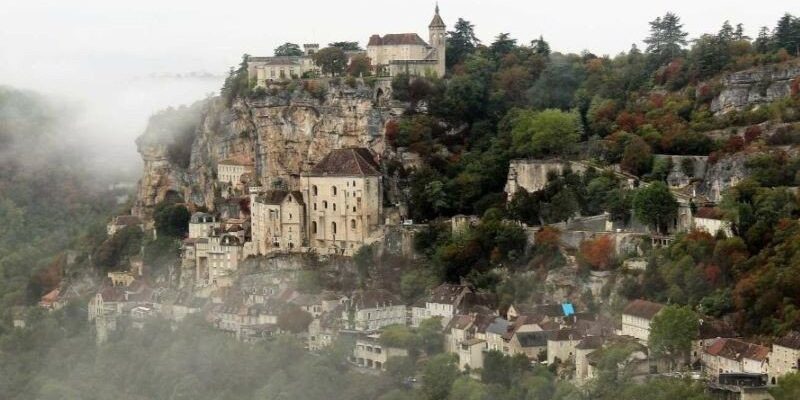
x=437, y=7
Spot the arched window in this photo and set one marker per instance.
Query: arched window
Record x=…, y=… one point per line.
x=314, y=227
x=325, y=204
x=352, y=224
x=333, y=227
x=333, y=190
x=334, y=206
x=314, y=190
x=354, y=183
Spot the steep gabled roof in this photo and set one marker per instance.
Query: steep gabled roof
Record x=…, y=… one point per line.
x=642, y=309
x=790, y=340
x=355, y=161
x=735, y=349
x=272, y=197
x=437, y=22
x=396, y=39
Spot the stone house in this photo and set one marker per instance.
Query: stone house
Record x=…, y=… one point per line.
x=727, y=355
x=532, y=344
x=583, y=349
x=708, y=331
x=636, y=319
x=785, y=355
x=324, y=329
x=561, y=344
x=407, y=53
x=470, y=353
x=224, y=254
x=496, y=335
x=201, y=225
x=278, y=221
x=370, y=310
x=282, y=68
x=230, y=173
x=370, y=353
x=443, y=301
x=710, y=220
x=344, y=201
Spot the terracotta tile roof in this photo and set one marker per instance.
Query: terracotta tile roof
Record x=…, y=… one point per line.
x=564, y=335
x=459, y=322
x=735, y=349
x=395, y=39
x=356, y=161
x=790, y=340
x=643, y=309
x=709, y=213
x=448, y=293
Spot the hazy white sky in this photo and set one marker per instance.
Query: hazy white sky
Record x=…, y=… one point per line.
x=90, y=50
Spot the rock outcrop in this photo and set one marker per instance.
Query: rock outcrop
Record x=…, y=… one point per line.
x=283, y=133
x=755, y=86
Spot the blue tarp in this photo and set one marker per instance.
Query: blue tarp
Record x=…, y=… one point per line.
x=568, y=309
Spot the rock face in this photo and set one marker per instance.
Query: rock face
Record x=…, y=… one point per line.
x=283, y=133
x=723, y=174
x=755, y=86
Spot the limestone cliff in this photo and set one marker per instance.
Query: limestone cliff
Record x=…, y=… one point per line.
x=283, y=132
x=755, y=86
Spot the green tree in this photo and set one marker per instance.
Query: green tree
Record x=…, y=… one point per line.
x=460, y=42
x=787, y=34
x=466, y=388
x=503, y=44
x=540, y=46
x=294, y=319
x=655, y=205
x=672, y=332
x=346, y=46
x=667, y=38
x=288, y=49
x=360, y=65
x=546, y=133
x=788, y=387
x=438, y=376
x=171, y=219
x=331, y=60
x=637, y=157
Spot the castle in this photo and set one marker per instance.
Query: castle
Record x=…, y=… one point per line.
x=336, y=208
x=390, y=55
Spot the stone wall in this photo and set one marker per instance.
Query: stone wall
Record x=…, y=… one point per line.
x=285, y=133
x=755, y=86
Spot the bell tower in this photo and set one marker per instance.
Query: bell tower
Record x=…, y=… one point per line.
x=437, y=32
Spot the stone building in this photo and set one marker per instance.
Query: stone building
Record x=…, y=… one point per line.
x=278, y=221
x=370, y=353
x=726, y=356
x=370, y=310
x=344, y=201
x=230, y=173
x=281, y=68
x=636, y=319
x=201, y=225
x=785, y=355
x=224, y=254
x=408, y=53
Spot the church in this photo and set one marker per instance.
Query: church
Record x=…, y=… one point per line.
x=407, y=53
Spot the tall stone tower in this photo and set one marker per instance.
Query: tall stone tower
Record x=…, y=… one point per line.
x=437, y=31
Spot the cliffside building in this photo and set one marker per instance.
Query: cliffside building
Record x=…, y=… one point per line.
x=344, y=195
x=278, y=221
x=282, y=68
x=399, y=53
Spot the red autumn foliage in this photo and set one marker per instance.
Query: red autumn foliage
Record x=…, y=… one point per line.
x=795, y=87
x=751, y=134
x=656, y=100
x=712, y=273
x=598, y=252
x=629, y=122
x=734, y=144
x=392, y=129
x=548, y=237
